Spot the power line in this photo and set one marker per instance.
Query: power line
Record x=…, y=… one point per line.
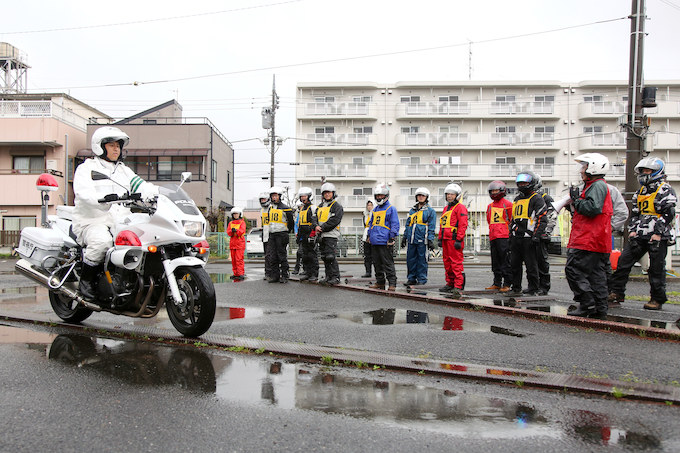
x=146, y=21
x=335, y=60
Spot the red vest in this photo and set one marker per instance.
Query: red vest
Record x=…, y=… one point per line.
x=593, y=234
x=499, y=216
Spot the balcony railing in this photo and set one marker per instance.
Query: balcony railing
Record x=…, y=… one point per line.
x=422, y=108
x=436, y=170
x=614, y=139
x=511, y=170
x=523, y=138
x=335, y=170
x=477, y=139
x=41, y=109
x=354, y=139
x=337, y=108
x=437, y=139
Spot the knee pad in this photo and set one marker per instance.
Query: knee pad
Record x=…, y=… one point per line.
x=329, y=257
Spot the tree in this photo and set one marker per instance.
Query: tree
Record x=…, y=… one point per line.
x=215, y=217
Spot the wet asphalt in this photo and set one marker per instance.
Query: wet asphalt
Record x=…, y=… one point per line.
x=316, y=315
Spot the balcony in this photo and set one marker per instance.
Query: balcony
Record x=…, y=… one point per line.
x=433, y=171
x=598, y=141
x=339, y=110
x=665, y=140
x=476, y=140
x=475, y=109
x=354, y=201
x=600, y=109
x=315, y=171
x=317, y=141
x=41, y=109
x=664, y=109
x=511, y=170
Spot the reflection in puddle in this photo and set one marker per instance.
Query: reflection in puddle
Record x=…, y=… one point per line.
x=288, y=386
x=387, y=316
x=223, y=278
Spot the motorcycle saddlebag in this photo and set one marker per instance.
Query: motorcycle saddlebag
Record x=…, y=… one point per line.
x=37, y=243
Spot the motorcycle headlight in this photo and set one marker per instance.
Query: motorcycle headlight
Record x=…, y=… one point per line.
x=193, y=229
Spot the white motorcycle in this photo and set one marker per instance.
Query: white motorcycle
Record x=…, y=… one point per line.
x=158, y=257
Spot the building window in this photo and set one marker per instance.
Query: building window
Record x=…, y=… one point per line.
x=410, y=99
x=505, y=160
x=593, y=98
x=505, y=129
x=361, y=99
x=592, y=129
x=363, y=130
x=213, y=168
x=410, y=129
x=544, y=160
x=506, y=98
x=323, y=160
x=445, y=129
x=228, y=180
x=362, y=191
x=149, y=122
x=361, y=160
x=28, y=164
x=410, y=160
x=17, y=223
x=357, y=222
x=544, y=129
x=169, y=169
x=544, y=98
x=324, y=99
x=324, y=130
x=449, y=98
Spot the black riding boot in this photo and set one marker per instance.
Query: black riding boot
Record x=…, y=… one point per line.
x=88, y=281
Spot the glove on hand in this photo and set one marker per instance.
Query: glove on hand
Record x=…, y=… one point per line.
x=111, y=197
x=403, y=241
x=535, y=239
x=458, y=245
x=430, y=244
x=439, y=243
x=574, y=193
x=234, y=230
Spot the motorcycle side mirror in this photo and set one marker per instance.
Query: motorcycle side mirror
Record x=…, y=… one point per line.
x=96, y=176
x=186, y=177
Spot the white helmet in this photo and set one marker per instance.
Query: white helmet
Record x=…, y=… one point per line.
x=422, y=191
x=453, y=188
x=263, y=196
x=596, y=164
x=381, y=189
x=328, y=187
x=653, y=163
x=236, y=210
x=105, y=135
x=306, y=191
x=276, y=189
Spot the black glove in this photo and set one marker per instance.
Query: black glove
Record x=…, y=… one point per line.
x=535, y=239
x=430, y=244
x=654, y=246
x=439, y=243
x=403, y=241
x=574, y=193
x=458, y=244
x=234, y=230
x=111, y=197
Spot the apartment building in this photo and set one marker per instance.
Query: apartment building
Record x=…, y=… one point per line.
x=39, y=133
x=413, y=134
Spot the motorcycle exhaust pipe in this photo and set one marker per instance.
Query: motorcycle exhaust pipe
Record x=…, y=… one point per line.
x=26, y=269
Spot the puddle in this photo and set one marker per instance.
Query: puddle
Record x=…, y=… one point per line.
x=229, y=313
x=293, y=386
x=387, y=316
x=223, y=278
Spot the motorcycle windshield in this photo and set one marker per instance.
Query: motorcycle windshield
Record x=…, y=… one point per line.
x=181, y=199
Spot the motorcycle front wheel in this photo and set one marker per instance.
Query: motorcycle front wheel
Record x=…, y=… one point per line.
x=195, y=314
x=68, y=309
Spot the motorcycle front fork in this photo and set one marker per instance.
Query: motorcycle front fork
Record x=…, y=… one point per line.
x=170, y=276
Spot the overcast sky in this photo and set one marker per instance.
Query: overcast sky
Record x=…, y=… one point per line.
x=227, y=52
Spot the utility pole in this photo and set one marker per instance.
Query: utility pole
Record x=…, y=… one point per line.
x=635, y=126
x=269, y=122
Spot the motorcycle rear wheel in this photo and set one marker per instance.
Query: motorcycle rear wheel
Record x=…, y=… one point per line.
x=194, y=316
x=68, y=309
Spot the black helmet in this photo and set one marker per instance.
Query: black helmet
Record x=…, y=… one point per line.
x=497, y=185
x=529, y=177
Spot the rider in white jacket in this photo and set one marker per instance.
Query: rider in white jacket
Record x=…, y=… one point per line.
x=92, y=220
